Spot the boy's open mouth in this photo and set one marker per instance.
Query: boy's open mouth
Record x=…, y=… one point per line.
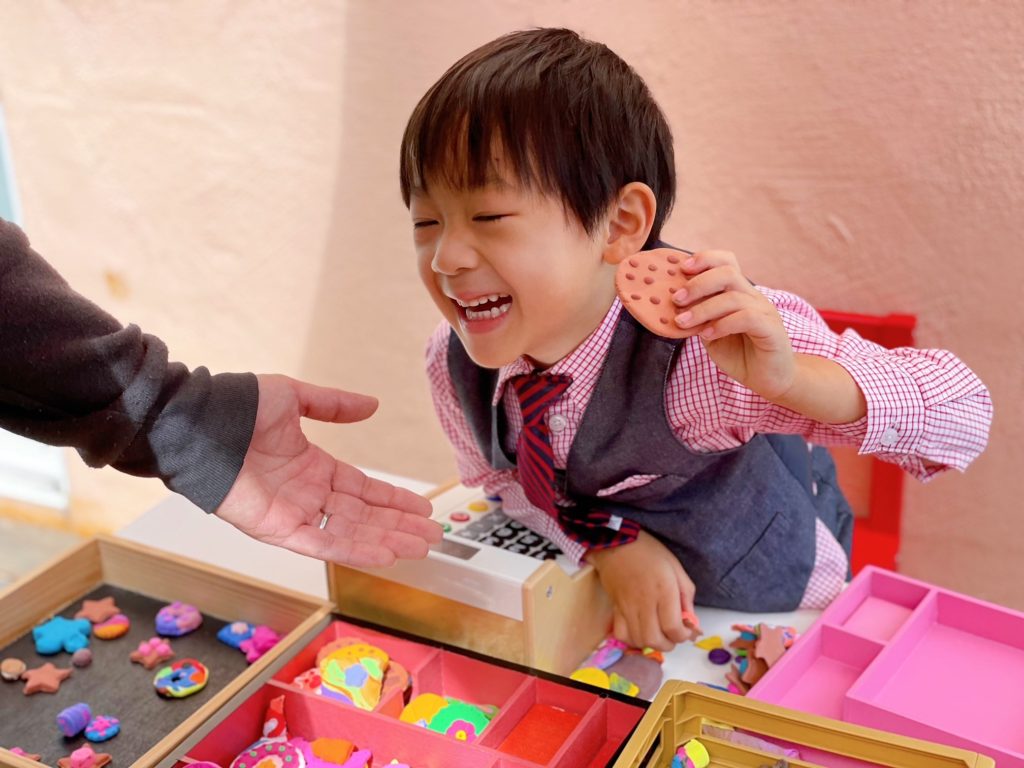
x=485, y=307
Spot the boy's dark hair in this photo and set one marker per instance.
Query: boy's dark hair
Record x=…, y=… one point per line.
x=572, y=117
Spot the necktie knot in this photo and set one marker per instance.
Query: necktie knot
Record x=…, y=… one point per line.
x=536, y=393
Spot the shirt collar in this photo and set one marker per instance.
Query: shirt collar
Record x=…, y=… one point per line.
x=583, y=364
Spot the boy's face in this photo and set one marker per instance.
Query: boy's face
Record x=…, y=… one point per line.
x=511, y=270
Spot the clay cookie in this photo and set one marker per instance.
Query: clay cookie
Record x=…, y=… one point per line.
x=645, y=283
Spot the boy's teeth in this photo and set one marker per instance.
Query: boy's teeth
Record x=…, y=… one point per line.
x=482, y=300
x=484, y=314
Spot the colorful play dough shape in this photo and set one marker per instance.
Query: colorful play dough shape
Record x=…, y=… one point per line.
x=591, y=676
x=355, y=672
x=261, y=641
x=275, y=724
x=645, y=283
x=204, y=764
x=84, y=757
x=709, y=643
x=619, y=684
x=325, y=752
x=421, y=709
x=182, y=678
x=60, y=634
x=692, y=754
x=152, y=652
x=719, y=656
x=98, y=611
x=81, y=658
x=641, y=669
x=114, y=627
x=308, y=680
x=608, y=652
x=44, y=679
x=270, y=754
x=177, y=619
x=12, y=669
x=459, y=719
x=102, y=728
x=73, y=720
x=234, y=633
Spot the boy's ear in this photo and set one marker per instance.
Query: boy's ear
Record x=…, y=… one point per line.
x=630, y=219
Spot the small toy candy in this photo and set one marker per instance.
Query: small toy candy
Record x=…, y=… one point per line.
x=81, y=658
x=114, y=627
x=151, y=652
x=646, y=282
x=261, y=641
x=22, y=753
x=692, y=754
x=84, y=757
x=182, y=678
x=98, y=611
x=45, y=679
x=178, y=619
x=102, y=728
x=60, y=634
x=233, y=634
x=73, y=720
x=12, y=669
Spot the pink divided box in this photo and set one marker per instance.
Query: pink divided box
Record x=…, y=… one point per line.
x=542, y=721
x=911, y=658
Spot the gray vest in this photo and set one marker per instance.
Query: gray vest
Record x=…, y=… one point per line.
x=741, y=521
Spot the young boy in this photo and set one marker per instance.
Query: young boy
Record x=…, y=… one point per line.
x=678, y=467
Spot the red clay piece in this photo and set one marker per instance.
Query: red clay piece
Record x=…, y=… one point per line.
x=645, y=283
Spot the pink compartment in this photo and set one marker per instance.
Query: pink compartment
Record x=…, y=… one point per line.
x=876, y=607
x=471, y=680
x=817, y=678
x=313, y=716
x=605, y=727
x=408, y=654
x=956, y=676
x=540, y=721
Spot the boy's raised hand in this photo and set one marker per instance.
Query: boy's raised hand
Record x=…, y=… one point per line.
x=649, y=591
x=740, y=328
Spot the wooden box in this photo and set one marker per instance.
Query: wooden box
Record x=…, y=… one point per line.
x=143, y=578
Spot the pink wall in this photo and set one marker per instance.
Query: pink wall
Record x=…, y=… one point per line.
x=236, y=166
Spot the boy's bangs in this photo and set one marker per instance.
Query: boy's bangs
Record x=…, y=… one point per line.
x=459, y=146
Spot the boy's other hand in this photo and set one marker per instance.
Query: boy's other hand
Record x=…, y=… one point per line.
x=740, y=328
x=649, y=591
x=287, y=484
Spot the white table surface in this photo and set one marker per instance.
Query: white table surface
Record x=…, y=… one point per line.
x=176, y=525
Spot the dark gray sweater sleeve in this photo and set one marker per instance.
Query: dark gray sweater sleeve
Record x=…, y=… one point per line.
x=70, y=374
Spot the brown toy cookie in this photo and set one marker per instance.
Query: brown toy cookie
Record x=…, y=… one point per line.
x=645, y=283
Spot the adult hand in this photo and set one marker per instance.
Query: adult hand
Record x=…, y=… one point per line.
x=650, y=592
x=286, y=484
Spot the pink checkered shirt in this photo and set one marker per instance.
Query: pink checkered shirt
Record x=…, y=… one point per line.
x=926, y=412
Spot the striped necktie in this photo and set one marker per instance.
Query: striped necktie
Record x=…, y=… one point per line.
x=534, y=457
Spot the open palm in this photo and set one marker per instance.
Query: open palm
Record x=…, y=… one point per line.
x=286, y=484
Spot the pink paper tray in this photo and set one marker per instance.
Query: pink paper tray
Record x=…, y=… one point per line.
x=911, y=658
x=590, y=726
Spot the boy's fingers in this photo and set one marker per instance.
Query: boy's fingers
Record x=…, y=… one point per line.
x=619, y=628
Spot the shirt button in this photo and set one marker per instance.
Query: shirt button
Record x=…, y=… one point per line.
x=889, y=437
x=557, y=423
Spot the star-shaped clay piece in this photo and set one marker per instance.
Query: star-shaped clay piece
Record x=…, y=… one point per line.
x=46, y=678
x=98, y=610
x=84, y=757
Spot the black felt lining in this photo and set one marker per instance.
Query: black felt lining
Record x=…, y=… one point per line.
x=112, y=685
